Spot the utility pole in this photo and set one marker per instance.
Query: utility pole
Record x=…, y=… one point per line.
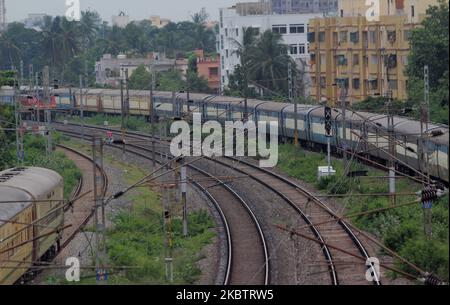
x=152, y=113
x=30, y=80
x=424, y=119
x=81, y=106
x=47, y=113
x=292, y=85
x=99, y=220
x=392, y=148
x=18, y=122
x=343, y=100
x=328, y=128
x=183, y=186
x=167, y=226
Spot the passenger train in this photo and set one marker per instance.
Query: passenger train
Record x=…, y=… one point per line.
x=28, y=196
x=311, y=122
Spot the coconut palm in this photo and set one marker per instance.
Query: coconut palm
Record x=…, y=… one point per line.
x=268, y=61
x=9, y=50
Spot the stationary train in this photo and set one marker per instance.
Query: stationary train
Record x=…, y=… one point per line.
x=28, y=196
x=365, y=131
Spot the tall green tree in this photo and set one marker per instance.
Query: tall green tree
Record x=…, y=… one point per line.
x=429, y=46
x=268, y=63
x=140, y=79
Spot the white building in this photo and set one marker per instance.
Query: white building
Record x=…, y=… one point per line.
x=121, y=20
x=292, y=27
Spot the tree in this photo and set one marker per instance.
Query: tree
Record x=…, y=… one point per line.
x=268, y=63
x=429, y=46
x=140, y=79
x=9, y=51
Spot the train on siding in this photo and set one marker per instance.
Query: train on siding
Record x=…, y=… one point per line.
x=28, y=196
x=311, y=122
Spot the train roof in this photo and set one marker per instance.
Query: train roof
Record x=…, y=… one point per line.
x=35, y=181
x=12, y=208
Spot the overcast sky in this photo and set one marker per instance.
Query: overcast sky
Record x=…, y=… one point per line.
x=137, y=9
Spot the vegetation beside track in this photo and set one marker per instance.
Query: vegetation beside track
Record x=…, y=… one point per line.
x=35, y=152
x=401, y=229
x=133, y=123
x=136, y=236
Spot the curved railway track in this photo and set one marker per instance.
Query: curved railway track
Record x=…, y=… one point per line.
x=247, y=251
x=343, y=268
x=79, y=215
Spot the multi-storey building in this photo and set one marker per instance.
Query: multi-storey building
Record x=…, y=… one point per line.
x=367, y=57
x=292, y=27
x=303, y=6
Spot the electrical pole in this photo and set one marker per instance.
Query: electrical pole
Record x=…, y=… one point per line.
x=424, y=119
x=99, y=220
x=152, y=113
x=30, y=81
x=328, y=128
x=167, y=226
x=183, y=185
x=47, y=113
x=81, y=106
x=392, y=148
x=18, y=122
x=292, y=85
x=343, y=97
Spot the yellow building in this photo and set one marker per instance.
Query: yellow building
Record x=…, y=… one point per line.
x=368, y=57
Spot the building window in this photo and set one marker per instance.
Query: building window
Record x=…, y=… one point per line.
x=412, y=11
x=321, y=36
x=356, y=83
x=279, y=29
x=226, y=53
x=221, y=18
x=373, y=84
x=311, y=37
x=237, y=32
x=393, y=84
x=313, y=58
x=372, y=37
x=391, y=36
x=226, y=32
x=355, y=59
x=221, y=42
x=297, y=28
x=323, y=82
x=354, y=37
x=301, y=49
x=342, y=36
x=342, y=13
x=341, y=60
x=405, y=60
x=407, y=35
x=214, y=71
x=293, y=49
x=374, y=59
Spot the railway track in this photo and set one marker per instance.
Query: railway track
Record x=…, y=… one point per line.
x=247, y=251
x=79, y=215
x=343, y=268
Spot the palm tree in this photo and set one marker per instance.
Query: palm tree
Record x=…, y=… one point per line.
x=9, y=50
x=60, y=41
x=268, y=61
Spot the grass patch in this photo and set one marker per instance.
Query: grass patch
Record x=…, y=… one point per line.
x=136, y=237
x=134, y=123
x=35, y=155
x=400, y=229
